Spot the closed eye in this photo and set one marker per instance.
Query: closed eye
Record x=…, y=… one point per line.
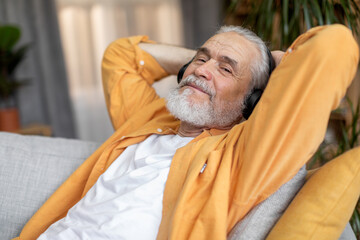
x=227, y=70
x=201, y=60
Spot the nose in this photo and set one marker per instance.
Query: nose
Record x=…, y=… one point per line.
x=205, y=70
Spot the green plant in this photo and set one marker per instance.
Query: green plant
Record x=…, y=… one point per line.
x=9, y=60
x=280, y=22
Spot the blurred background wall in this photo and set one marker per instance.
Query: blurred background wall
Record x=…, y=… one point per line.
x=68, y=38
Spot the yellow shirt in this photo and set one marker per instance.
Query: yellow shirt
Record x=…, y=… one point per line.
x=244, y=165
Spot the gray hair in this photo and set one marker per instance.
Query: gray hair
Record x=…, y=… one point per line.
x=259, y=68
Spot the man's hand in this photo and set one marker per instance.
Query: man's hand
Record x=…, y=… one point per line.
x=277, y=55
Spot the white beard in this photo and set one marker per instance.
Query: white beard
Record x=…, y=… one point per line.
x=202, y=114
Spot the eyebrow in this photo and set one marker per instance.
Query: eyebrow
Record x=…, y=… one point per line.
x=203, y=50
x=233, y=63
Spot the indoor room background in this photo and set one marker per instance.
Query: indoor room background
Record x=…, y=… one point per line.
x=67, y=39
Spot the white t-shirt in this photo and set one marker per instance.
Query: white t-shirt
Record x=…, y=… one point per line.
x=126, y=201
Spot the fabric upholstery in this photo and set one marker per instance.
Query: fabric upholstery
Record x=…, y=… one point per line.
x=325, y=203
x=32, y=168
x=259, y=221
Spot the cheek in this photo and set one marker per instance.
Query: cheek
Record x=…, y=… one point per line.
x=229, y=92
x=189, y=70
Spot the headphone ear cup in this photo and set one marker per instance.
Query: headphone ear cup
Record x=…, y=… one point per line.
x=251, y=102
x=272, y=63
x=182, y=71
x=255, y=96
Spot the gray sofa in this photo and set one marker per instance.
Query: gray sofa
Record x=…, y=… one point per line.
x=33, y=167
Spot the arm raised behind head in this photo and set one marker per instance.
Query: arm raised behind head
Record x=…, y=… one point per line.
x=129, y=68
x=290, y=120
x=171, y=58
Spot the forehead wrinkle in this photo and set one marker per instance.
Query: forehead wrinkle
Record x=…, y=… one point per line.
x=233, y=63
x=244, y=52
x=204, y=50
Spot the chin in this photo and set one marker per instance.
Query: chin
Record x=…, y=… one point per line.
x=188, y=107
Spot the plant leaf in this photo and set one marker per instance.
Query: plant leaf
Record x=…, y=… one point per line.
x=345, y=138
x=285, y=13
x=317, y=12
x=9, y=35
x=16, y=57
x=327, y=13
x=347, y=14
x=307, y=17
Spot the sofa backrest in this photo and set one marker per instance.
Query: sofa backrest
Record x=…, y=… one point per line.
x=32, y=168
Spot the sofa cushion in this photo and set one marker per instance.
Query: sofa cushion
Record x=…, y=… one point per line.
x=324, y=205
x=32, y=168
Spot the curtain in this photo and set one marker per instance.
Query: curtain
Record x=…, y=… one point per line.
x=44, y=99
x=87, y=27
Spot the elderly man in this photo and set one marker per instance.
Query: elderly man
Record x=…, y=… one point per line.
x=191, y=167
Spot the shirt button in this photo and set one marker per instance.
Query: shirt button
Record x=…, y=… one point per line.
x=159, y=130
x=142, y=62
x=290, y=50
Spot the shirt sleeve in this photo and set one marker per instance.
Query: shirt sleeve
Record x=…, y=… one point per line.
x=291, y=118
x=128, y=73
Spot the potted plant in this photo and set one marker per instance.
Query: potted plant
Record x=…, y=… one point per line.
x=10, y=57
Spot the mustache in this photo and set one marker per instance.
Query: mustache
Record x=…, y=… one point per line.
x=201, y=84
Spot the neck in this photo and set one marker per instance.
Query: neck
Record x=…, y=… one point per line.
x=188, y=130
